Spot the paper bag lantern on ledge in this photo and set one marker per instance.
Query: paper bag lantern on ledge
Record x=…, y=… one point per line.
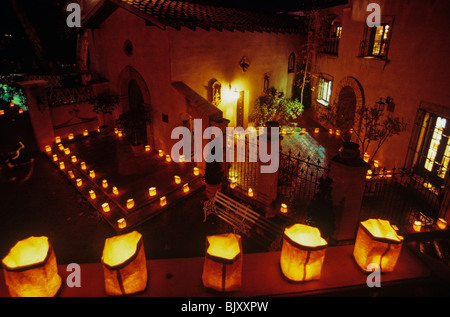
x=31, y=270
x=302, y=253
x=377, y=242
x=124, y=264
x=222, y=269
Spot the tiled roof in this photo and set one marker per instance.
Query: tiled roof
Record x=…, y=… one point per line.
x=192, y=15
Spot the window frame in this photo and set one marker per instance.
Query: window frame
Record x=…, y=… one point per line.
x=320, y=93
x=368, y=41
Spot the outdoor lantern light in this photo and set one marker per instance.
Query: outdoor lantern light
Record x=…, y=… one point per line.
x=121, y=223
x=161, y=153
x=181, y=159
x=376, y=163
x=302, y=253
x=62, y=165
x=105, y=207
x=377, y=242
x=283, y=131
x=177, y=179
x=369, y=174
x=20, y=110
x=71, y=175
x=316, y=130
x=417, y=225
x=130, y=203
x=70, y=137
x=67, y=151
x=338, y=132
x=147, y=148
x=58, y=139
x=330, y=131
x=124, y=264
x=92, y=194
x=61, y=147
x=73, y=158
x=2, y=112
x=283, y=208
x=303, y=131
x=222, y=268
x=79, y=182
x=83, y=165
x=116, y=130
x=152, y=191
x=120, y=133
x=441, y=223
x=92, y=174
x=11, y=104
x=55, y=157
x=115, y=191
x=48, y=148
x=85, y=132
x=163, y=201
x=196, y=171
x=233, y=182
x=105, y=183
x=168, y=158
x=186, y=188
x=250, y=192
x=31, y=270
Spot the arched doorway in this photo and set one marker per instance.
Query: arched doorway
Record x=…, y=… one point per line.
x=346, y=108
x=136, y=104
x=134, y=95
x=350, y=99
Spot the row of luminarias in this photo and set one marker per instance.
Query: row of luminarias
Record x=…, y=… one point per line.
x=121, y=223
x=30, y=267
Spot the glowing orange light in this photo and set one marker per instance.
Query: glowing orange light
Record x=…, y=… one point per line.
x=92, y=174
x=120, y=133
x=168, y=158
x=366, y=157
x=417, y=226
x=73, y=158
x=147, y=148
x=11, y=104
x=121, y=223
x=105, y=183
x=83, y=165
x=115, y=191
x=55, y=157
x=250, y=192
x=163, y=201
x=67, y=151
x=61, y=147
x=20, y=110
x=181, y=158
x=71, y=175
x=92, y=194
x=79, y=182
x=70, y=137
x=62, y=165
x=116, y=130
x=2, y=112
x=376, y=163
x=233, y=182
x=48, y=148
x=185, y=188
x=177, y=179
x=130, y=203
x=283, y=208
x=303, y=130
x=330, y=131
x=160, y=153
x=85, y=132
x=58, y=139
x=196, y=171
x=316, y=130
x=338, y=132
x=105, y=207
x=441, y=223
x=152, y=191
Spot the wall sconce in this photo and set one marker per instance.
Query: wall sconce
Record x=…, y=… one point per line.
x=124, y=264
x=387, y=103
x=31, y=270
x=244, y=64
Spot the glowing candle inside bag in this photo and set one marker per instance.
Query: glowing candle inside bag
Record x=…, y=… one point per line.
x=105, y=207
x=73, y=158
x=83, y=165
x=79, y=182
x=196, y=171
x=92, y=174
x=130, y=203
x=115, y=191
x=105, y=183
x=62, y=165
x=185, y=188
x=152, y=191
x=163, y=201
x=92, y=194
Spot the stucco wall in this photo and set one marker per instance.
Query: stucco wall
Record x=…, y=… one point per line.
x=199, y=56
x=416, y=71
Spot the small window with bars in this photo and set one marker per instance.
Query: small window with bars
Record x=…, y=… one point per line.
x=324, y=90
x=376, y=40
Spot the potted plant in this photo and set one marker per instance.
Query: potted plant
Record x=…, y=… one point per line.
x=104, y=104
x=213, y=178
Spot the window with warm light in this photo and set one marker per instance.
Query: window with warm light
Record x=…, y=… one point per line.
x=377, y=39
x=324, y=90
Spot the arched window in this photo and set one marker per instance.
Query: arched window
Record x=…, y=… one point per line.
x=291, y=63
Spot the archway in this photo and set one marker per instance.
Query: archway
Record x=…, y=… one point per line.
x=350, y=99
x=134, y=94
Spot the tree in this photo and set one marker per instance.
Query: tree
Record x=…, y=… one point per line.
x=272, y=106
x=104, y=102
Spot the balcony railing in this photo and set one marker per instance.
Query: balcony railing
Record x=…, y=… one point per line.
x=331, y=46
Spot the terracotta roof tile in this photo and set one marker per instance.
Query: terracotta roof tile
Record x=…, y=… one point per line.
x=192, y=15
